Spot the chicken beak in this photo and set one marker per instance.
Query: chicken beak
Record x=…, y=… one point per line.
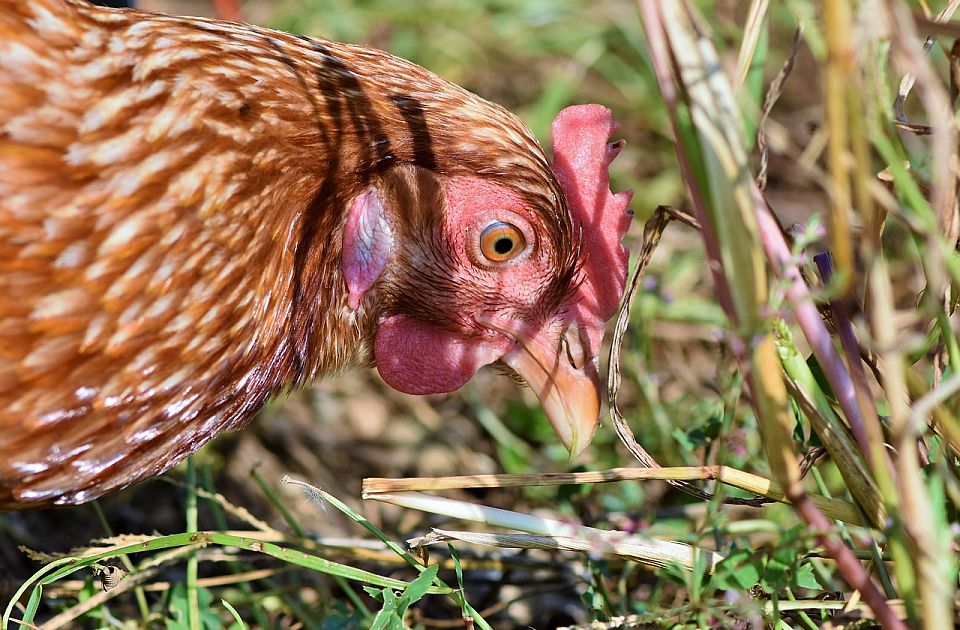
x=566, y=382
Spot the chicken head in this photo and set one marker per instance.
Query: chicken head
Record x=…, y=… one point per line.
x=463, y=272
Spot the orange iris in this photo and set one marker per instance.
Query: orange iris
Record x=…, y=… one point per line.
x=501, y=241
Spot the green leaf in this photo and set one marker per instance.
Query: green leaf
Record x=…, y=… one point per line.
x=33, y=603
x=459, y=571
x=374, y=592
x=805, y=578
x=238, y=620
x=739, y=570
x=416, y=589
x=341, y=617
x=389, y=617
x=820, y=377
x=775, y=576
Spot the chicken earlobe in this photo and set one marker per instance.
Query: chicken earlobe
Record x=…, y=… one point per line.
x=367, y=241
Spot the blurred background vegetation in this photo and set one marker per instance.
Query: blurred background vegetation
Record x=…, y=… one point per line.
x=683, y=394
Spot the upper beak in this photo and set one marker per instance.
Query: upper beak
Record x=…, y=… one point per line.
x=565, y=381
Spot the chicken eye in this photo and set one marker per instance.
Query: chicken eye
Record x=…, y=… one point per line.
x=501, y=241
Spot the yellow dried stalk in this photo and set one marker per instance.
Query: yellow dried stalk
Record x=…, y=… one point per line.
x=832, y=508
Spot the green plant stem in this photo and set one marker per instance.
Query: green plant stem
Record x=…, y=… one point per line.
x=138, y=593
x=193, y=600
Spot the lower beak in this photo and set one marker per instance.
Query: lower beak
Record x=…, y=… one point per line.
x=569, y=395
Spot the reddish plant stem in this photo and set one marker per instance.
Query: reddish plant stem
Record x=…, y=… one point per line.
x=808, y=317
x=849, y=565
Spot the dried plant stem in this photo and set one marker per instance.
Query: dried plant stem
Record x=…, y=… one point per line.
x=936, y=102
x=773, y=95
x=840, y=510
x=846, y=145
x=932, y=582
x=848, y=158
x=808, y=317
x=652, y=232
x=841, y=66
x=922, y=573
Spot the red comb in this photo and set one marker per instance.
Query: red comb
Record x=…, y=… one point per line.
x=581, y=157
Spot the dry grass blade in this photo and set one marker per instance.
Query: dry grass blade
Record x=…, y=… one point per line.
x=906, y=84
x=96, y=546
x=730, y=214
x=70, y=588
x=736, y=233
x=647, y=551
x=935, y=26
x=936, y=101
x=834, y=508
x=751, y=37
x=652, y=233
x=921, y=554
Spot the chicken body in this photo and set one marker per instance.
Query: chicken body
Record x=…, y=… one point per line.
x=197, y=215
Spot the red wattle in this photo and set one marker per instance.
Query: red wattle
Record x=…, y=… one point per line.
x=415, y=357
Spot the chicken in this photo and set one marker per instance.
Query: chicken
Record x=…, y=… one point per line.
x=198, y=215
